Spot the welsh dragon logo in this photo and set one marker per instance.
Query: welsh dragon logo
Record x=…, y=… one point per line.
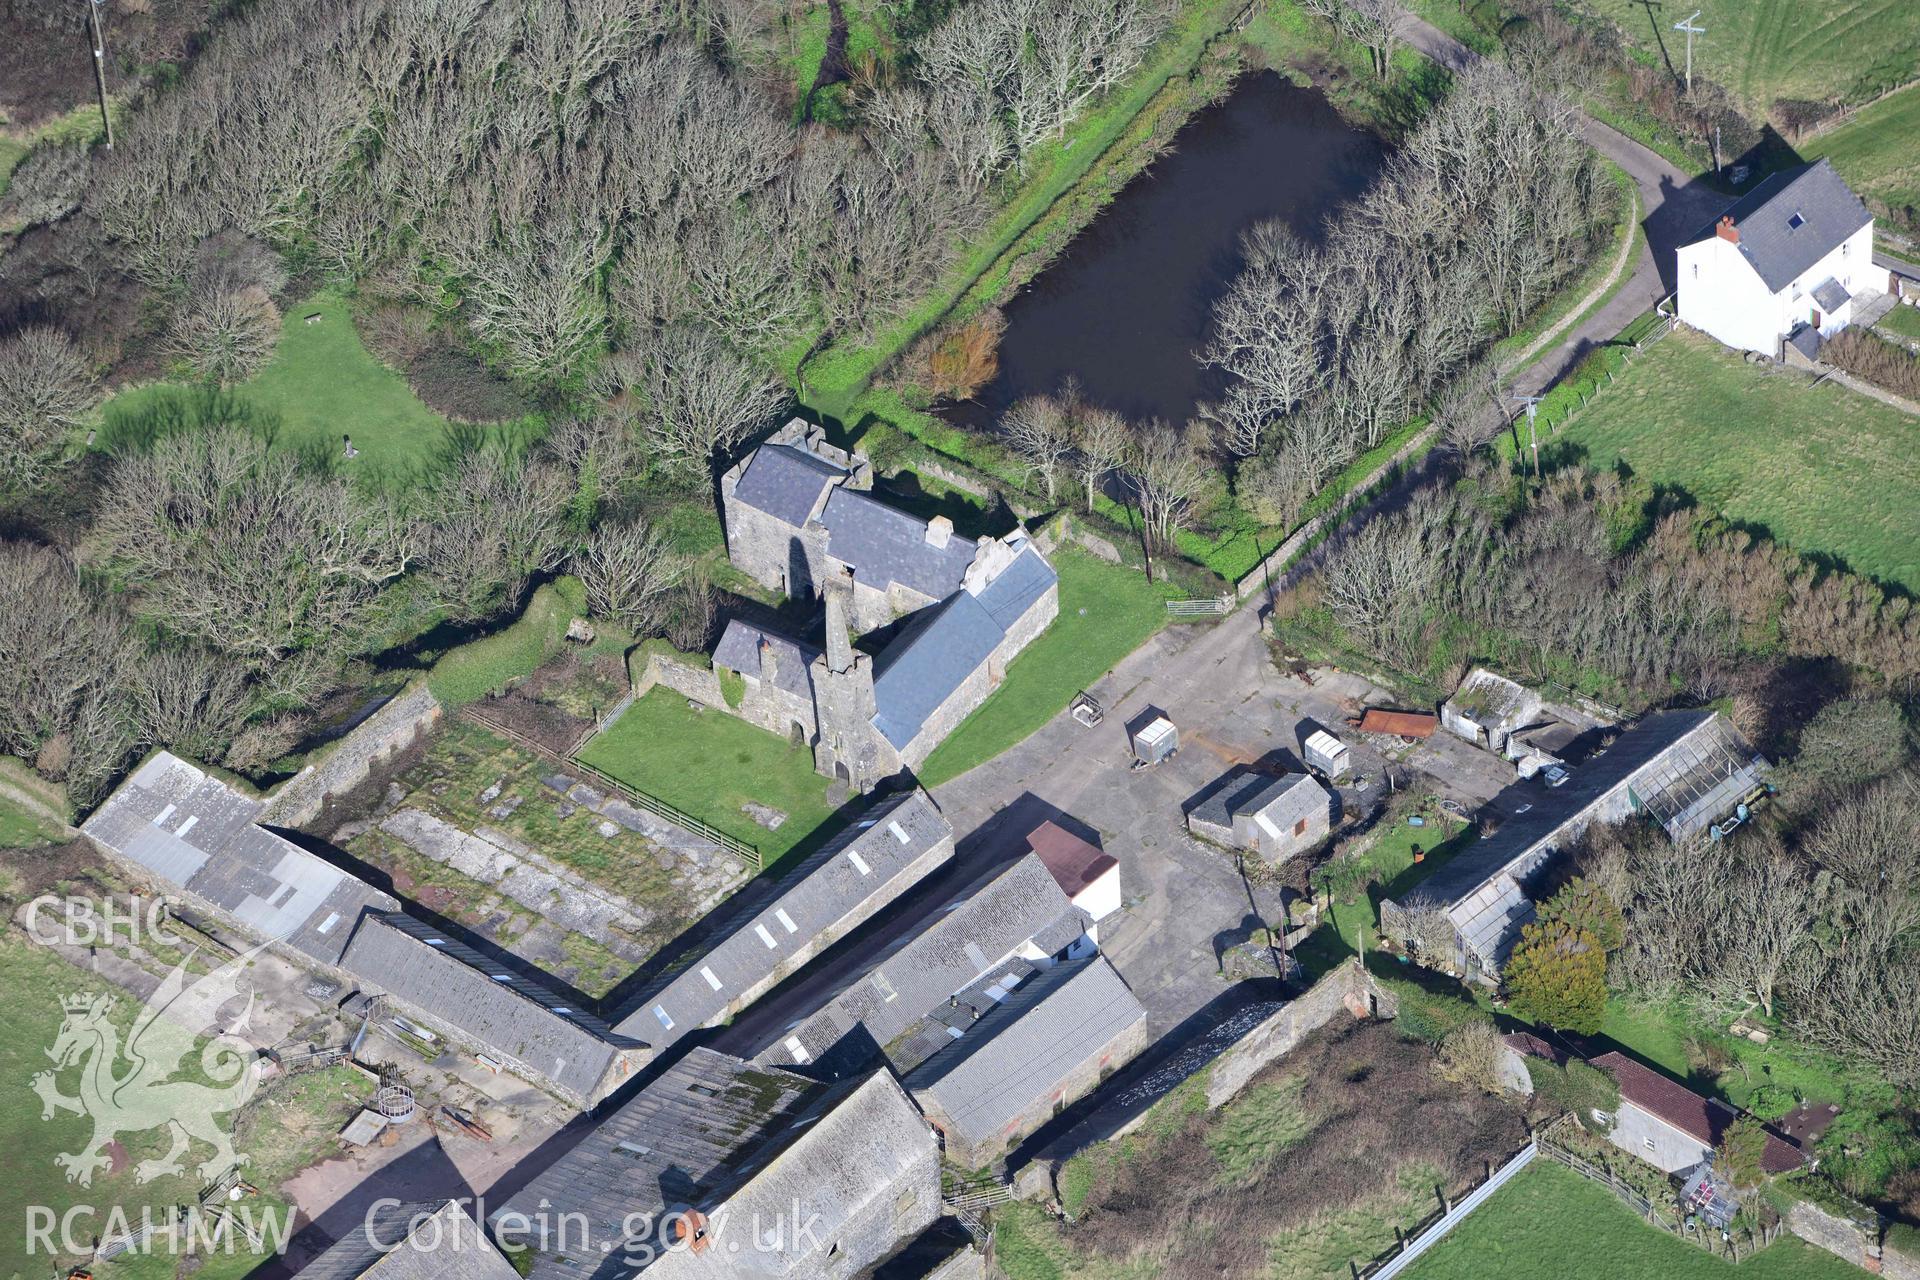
x=148, y=1095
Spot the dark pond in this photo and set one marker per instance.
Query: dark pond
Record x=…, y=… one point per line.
x=1126, y=305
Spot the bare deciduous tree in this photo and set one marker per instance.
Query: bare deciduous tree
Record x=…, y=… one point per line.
x=1039, y=431
x=46, y=389
x=1101, y=439
x=1169, y=471
x=700, y=396
x=630, y=572
x=498, y=521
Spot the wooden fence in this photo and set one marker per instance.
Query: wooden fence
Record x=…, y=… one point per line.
x=632, y=795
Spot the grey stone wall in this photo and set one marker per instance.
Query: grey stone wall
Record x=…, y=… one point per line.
x=377, y=739
x=1847, y=1239
x=1345, y=989
x=771, y=552
x=701, y=684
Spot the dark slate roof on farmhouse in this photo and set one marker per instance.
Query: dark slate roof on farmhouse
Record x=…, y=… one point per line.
x=1020, y=1052
x=969, y=936
x=490, y=1003
x=886, y=545
x=943, y=645
x=785, y=482
x=1831, y=294
x=193, y=830
x=739, y=650
x=764, y=926
x=422, y=1240
x=692, y=1131
x=1828, y=212
x=1554, y=808
x=1703, y=1119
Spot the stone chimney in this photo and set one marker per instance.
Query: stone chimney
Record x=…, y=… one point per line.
x=939, y=531
x=839, y=599
x=769, y=663
x=1726, y=230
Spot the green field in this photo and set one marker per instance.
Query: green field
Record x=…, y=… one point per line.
x=1106, y=612
x=287, y=1126
x=1878, y=151
x=1763, y=51
x=1822, y=469
x=1901, y=322
x=1549, y=1221
x=321, y=384
x=708, y=764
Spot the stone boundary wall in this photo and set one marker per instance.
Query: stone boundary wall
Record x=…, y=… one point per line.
x=702, y=684
x=1348, y=987
x=1857, y=1242
x=375, y=740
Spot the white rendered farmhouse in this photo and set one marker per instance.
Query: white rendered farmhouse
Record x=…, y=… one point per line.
x=1790, y=257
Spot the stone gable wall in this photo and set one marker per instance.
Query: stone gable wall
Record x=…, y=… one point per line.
x=377, y=739
x=1345, y=989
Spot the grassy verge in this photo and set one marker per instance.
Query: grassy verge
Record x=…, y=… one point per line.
x=709, y=764
x=834, y=380
x=1819, y=468
x=1106, y=612
x=1903, y=322
x=1549, y=1221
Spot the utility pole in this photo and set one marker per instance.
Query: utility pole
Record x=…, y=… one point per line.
x=1692, y=31
x=100, y=66
x=1533, y=435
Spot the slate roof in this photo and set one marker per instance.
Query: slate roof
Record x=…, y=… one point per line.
x=886, y=545
x=427, y=1240
x=941, y=646
x=1074, y=864
x=785, y=482
x=694, y=1130
x=739, y=650
x=490, y=1003
x=766, y=925
x=1555, y=808
x=1020, y=1052
x=1828, y=212
x=944, y=644
x=201, y=834
x=1805, y=340
x=971, y=934
x=1831, y=295
x=1249, y=793
x=850, y=1157
x=1703, y=1119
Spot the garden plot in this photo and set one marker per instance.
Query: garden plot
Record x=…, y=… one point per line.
x=505, y=842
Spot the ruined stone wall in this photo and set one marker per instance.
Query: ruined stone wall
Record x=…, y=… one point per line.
x=1857, y=1241
x=1348, y=988
x=771, y=552
x=702, y=684
x=376, y=740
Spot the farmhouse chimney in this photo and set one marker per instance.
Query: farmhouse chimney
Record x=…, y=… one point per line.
x=839, y=597
x=769, y=663
x=939, y=531
x=1726, y=230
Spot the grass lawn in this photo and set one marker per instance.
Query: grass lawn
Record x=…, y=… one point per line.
x=20, y=828
x=1766, y=50
x=1901, y=322
x=1106, y=612
x=288, y=1124
x=482, y=666
x=708, y=764
x=1550, y=1221
x=1878, y=151
x=321, y=384
x=1821, y=469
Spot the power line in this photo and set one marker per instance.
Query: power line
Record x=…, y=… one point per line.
x=100, y=66
x=1688, y=26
